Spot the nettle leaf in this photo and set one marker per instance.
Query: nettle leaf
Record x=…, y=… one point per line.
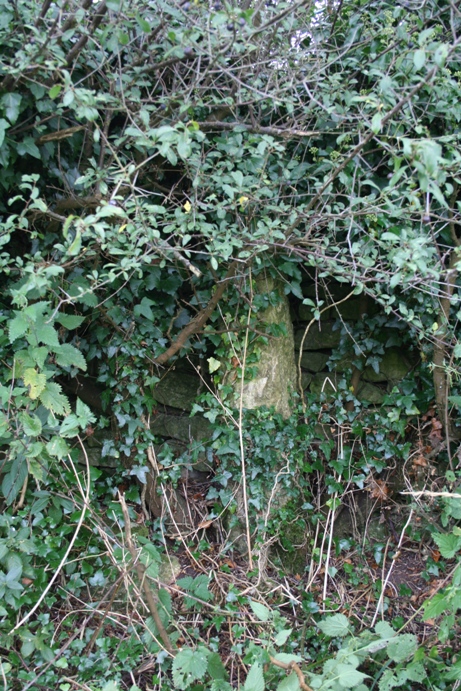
x=53, y=399
x=337, y=625
x=47, y=334
x=262, y=612
x=349, y=677
x=402, y=647
x=189, y=665
x=31, y=424
x=17, y=327
x=36, y=381
x=67, y=355
x=449, y=545
x=290, y=683
x=255, y=679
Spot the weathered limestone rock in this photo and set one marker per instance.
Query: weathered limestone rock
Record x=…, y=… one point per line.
x=320, y=335
x=177, y=389
x=393, y=367
x=181, y=427
x=276, y=377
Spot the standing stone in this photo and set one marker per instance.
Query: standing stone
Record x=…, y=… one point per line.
x=276, y=378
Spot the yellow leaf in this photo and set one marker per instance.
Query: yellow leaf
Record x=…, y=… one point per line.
x=122, y=228
x=242, y=200
x=187, y=207
x=36, y=381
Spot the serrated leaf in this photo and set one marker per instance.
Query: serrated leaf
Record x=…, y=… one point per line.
x=216, y=669
x=36, y=381
x=70, y=426
x=68, y=355
x=53, y=399
x=70, y=321
x=17, y=327
x=189, y=665
x=384, y=630
x=288, y=657
x=449, y=544
x=255, y=678
x=262, y=612
x=290, y=683
x=31, y=424
x=348, y=676
x=436, y=606
x=402, y=647
x=58, y=447
x=336, y=625
x=47, y=334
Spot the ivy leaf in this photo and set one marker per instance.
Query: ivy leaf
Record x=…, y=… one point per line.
x=28, y=146
x=337, y=625
x=11, y=103
x=255, y=679
x=67, y=355
x=36, y=381
x=188, y=666
x=4, y=124
x=53, y=399
x=448, y=545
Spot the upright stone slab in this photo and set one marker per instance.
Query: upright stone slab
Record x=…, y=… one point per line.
x=276, y=377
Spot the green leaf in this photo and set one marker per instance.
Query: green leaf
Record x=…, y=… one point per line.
x=216, y=669
x=47, y=334
x=282, y=636
x=213, y=364
x=436, y=605
x=449, y=545
x=262, y=612
x=376, y=123
x=58, y=447
x=336, y=625
x=11, y=103
x=419, y=58
x=31, y=424
x=70, y=426
x=28, y=147
x=255, y=678
x=55, y=91
x=67, y=355
x=402, y=647
x=290, y=683
x=348, y=676
x=53, y=399
x=189, y=665
x=4, y=124
x=17, y=327
x=384, y=630
x=70, y=321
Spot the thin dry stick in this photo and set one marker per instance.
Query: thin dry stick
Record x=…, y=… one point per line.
x=242, y=450
x=386, y=580
x=292, y=666
x=86, y=504
x=333, y=512
x=152, y=601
